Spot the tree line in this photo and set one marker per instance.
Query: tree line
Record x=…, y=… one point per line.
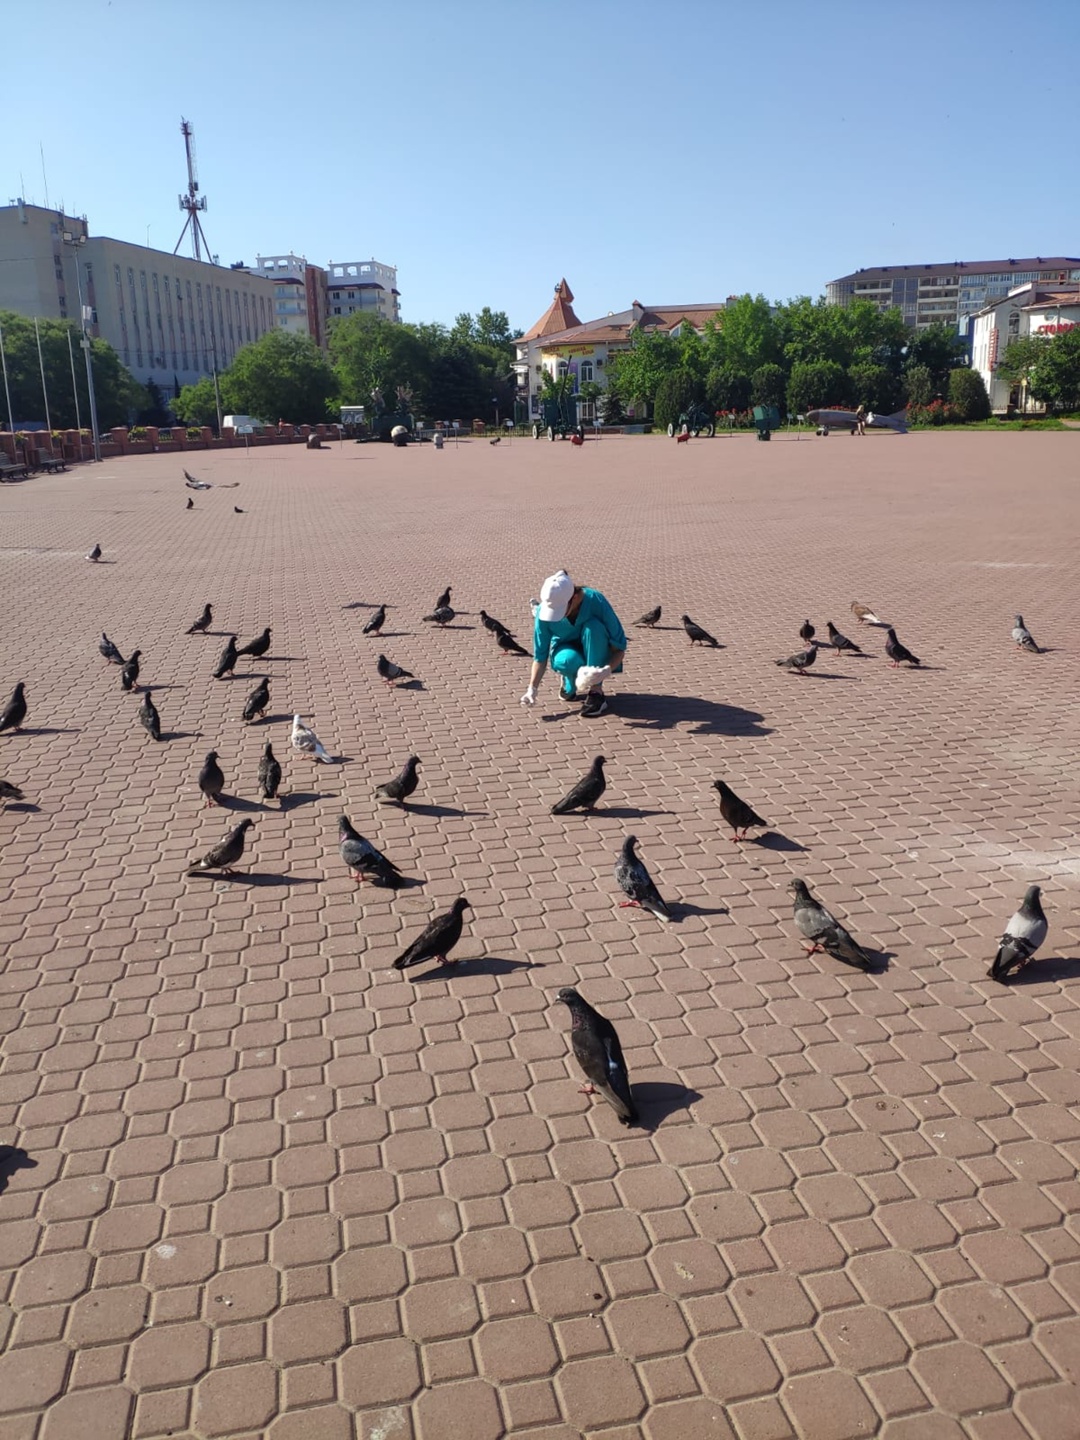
x=119, y=396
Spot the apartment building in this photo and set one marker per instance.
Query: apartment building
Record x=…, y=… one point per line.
x=364, y=285
x=300, y=294
x=952, y=292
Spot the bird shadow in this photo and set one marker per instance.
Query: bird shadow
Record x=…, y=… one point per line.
x=273, y=658
x=237, y=802
x=681, y=908
x=629, y=812
x=773, y=840
x=12, y=1160
x=23, y=807
x=275, y=719
x=50, y=730
x=391, y=634
x=657, y=1100
x=1060, y=967
x=475, y=965
x=445, y=812
x=455, y=627
x=157, y=685
x=364, y=605
x=824, y=675
x=181, y=734
x=879, y=958
x=257, y=878
x=707, y=717
x=413, y=684
x=104, y=562
x=296, y=798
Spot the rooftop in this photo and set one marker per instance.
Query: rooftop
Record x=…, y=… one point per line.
x=971, y=267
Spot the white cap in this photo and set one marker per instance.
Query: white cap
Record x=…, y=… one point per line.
x=555, y=595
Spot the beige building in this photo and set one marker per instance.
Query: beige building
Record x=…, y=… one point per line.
x=365, y=285
x=170, y=319
x=300, y=296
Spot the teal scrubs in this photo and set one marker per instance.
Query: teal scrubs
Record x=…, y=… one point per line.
x=588, y=639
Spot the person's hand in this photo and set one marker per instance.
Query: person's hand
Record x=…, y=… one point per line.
x=529, y=698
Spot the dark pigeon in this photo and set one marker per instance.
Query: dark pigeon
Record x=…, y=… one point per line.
x=1024, y=933
x=236, y=510
x=650, y=618
x=824, y=931
x=391, y=672
x=258, y=701
x=437, y=938
x=800, y=662
x=377, y=621
x=95, y=554
x=898, y=653
x=806, y=632
x=736, y=812
x=636, y=882
x=364, y=860
x=202, y=624
x=269, y=774
x=398, y=790
x=1024, y=638
x=14, y=712
x=841, y=642
x=586, y=792
x=149, y=718
x=509, y=646
x=190, y=504
x=698, y=636
x=495, y=626
x=227, y=659
x=258, y=647
x=598, y=1052
x=129, y=675
x=9, y=791
x=223, y=857
x=442, y=616
x=212, y=779
x=444, y=599
x=109, y=651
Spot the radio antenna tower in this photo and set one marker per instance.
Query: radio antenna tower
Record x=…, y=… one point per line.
x=192, y=202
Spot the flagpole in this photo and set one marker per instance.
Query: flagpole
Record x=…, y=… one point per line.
x=75, y=392
x=41, y=367
x=7, y=392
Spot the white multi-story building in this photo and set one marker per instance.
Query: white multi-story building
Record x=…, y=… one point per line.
x=1027, y=310
x=929, y=294
x=300, y=297
x=365, y=285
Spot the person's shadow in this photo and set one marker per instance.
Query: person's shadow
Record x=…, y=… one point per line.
x=706, y=717
x=12, y=1160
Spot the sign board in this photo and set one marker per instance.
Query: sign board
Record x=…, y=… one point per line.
x=245, y=430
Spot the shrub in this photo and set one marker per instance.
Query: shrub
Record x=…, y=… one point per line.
x=938, y=412
x=612, y=411
x=727, y=389
x=919, y=385
x=768, y=386
x=967, y=395
x=137, y=432
x=193, y=432
x=674, y=394
x=815, y=384
x=874, y=386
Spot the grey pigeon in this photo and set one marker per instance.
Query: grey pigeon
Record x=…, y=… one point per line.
x=377, y=621
x=95, y=554
x=223, y=857
x=227, y=659
x=586, y=792
x=1024, y=638
x=109, y=650
x=495, y=626
x=1024, y=933
x=9, y=791
x=437, y=938
x=898, y=653
x=444, y=599
x=203, y=622
x=391, y=672
x=269, y=774
x=736, y=812
x=799, y=662
x=649, y=618
x=598, y=1052
x=212, y=779
x=258, y=647
x=509, y=646
x=824, y=931
x=698, y=636
x=364, y=860
x=149, y=718
x=806, y=632
x=841, y=642
x=442, y=616
x=398, y=790
x=14, y=712
x=129, y=675
x=636, y=882
x=196, y=484
x=258, y=701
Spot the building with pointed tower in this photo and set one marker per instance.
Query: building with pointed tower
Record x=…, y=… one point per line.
x=557, y=318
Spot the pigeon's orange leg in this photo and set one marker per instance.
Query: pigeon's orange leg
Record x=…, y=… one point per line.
x=588, y=1090
x=628, y=904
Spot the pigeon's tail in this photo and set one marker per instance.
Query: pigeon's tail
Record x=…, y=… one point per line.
x=657, y=907
x=622, y=1105
x=1012, y=954
x=847, y=949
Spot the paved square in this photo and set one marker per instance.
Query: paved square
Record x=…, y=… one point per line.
x=276, y=1189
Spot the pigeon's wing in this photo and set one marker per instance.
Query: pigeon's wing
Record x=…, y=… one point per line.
x=842, y=945
x=1022, y=938
x=812, y=921
x=598, y=1052
x=428, y=943
x=638, y=884
x=585, y=793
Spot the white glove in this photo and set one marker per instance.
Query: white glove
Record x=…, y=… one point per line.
x=529, y=698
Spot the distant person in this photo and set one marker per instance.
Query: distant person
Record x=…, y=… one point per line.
x=860, y=420
x=579, y=633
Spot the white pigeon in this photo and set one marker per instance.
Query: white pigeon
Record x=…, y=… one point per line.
x=307, y=742
x=193, y=484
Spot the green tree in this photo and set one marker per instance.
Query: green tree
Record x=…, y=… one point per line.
x=1056, y=379
x=611, y=407
x=119, y=396
x=875, y=386
x=280, y=375
x=157, y=411
x=768, y=386
x=727, y=389
x=816, y=384
x=1021, y=358
x=639, y=370
x=196, y=404
x=675, y=393
x=745, y=336
x=967, y=393
x=369, y=353
x=918, y=385
x=940, y=349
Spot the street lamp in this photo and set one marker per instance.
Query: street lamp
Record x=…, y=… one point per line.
x=75, y=241
x=495, y=402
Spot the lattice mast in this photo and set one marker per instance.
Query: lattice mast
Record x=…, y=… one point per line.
x=192, y=203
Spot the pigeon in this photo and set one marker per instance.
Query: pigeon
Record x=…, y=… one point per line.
x=258, y=701
x=196, y=484
x=398, y=790
x=800, y=661
x=864, y=615
x=9, y=791
x=897, y=653
x=496, y=441
x=269, y=774
x=15, y=710
x=149, y=718
x=223, y=857
x=586, y=792
x=129, y=675
x=806, y=632
x=650, y=618
x=190, y=504
x=1024, y=933
x=377, y=621
x=1024, y=638
x=495, y=626
x=95, y=554
x=824, y=931
x=598, y=1052
x=258, y=647
x=212, y=779
x=841, y=642
x=109, y=650
x=307, y=741
x=437, y=937
x=227, y=660
x=443, y=600
x=698, y=636
x=509, y=646
x=236, y=510
x=736, y=812
x=364, y=860
x=202, y=623
x=442, y=616
x=635, y=881
x=391, y=672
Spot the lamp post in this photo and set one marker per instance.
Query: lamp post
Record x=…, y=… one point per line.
x=495, y=402
x=75, y=241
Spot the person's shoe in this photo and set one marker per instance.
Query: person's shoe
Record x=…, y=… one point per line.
x=595, y=704
x=567, y=692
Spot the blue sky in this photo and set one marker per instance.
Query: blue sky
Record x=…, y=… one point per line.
x=665, y=153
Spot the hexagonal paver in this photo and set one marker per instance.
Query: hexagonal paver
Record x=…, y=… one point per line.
x=239, y=1397
x=599, y=1392
x=519, y=1348
x=312, y=1330
x=169, y=1355
x=381, y=1372
x=959, y=1378
x=468, y=1410
x=647, y=1325
x=437, y=1309
x=108, y=1315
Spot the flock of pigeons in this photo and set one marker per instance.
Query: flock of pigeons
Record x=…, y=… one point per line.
x=594, y=1040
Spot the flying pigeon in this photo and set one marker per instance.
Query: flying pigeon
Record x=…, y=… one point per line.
x=398, y=790
x=391, y=672
x=1024, y=933
x=129, y=675
x=650, y=618
x=1024, y=638
x=897, y=653
x=864, y=614
x=202, y=623
x=597, y=1050
x=698, y=636
x=824, y=931
x=109, y=650
x=258, y=701
x=586, y=792
x=496, y=441
x=442, y=616
x=212, y=779
x=377, y=621
x=95, y=554
x=223, y=857
x=190, y=504
x=509, y=646
x=307, y=742
x=196, y=484
x=806, y=632
x=227, y=659
x=444, y=599
x=800, y=661
x=236, y=510
x=841, y=642
x=495, y=626
x=437, y=938
x=15, y=710
x=149, y=718
x=364, y=860
x=636, y=882
x=9, y=791
x=258, y=647
x=736, y=812
x=269, y=774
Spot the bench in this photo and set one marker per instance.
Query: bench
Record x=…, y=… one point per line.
x=48, y=462
x=12, y=470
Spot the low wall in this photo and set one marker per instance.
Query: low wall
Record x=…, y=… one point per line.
x=74, y=445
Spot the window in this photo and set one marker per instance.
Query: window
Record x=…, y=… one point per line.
x=585, y=373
